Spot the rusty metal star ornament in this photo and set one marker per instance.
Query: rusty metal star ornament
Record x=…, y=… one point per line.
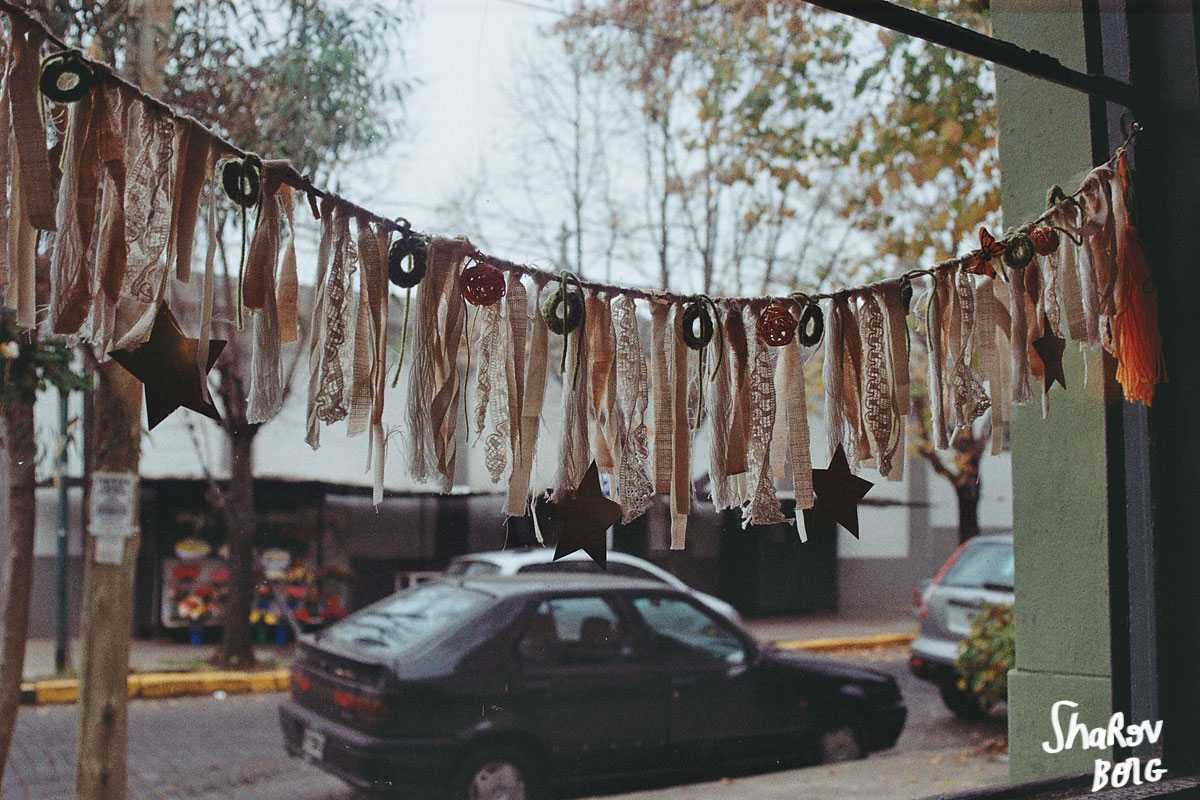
x=1050, y=349
x=166, y=365
x=581, y=519
x=838, y=492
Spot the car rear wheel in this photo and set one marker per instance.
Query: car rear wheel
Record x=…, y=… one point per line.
x=963, y=704
x=838, y=739
x=493, y=773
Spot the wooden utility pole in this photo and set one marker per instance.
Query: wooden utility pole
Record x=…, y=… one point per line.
x=113, y=532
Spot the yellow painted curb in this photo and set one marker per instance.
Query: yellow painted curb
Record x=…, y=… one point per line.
x=55, y=691
x=849, y=642
x=157, y=685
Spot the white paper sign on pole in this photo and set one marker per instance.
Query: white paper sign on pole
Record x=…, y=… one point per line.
x=113, y=500
x=109, y=550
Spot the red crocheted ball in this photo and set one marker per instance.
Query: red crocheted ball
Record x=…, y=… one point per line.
x=1045, y=240
x=482, y=285
x=776, y=325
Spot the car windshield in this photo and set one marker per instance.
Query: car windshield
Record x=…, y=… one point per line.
x=407, y=620
x=982, y=564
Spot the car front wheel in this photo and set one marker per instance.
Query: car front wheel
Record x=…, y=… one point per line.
x=493, y=773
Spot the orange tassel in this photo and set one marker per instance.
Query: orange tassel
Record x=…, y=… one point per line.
x=1136, y=340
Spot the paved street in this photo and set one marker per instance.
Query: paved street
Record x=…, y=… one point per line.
x=208, y=748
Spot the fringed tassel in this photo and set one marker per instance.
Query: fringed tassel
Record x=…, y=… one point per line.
x=1137, y=341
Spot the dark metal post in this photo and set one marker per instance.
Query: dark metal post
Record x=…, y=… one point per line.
x=60, y=567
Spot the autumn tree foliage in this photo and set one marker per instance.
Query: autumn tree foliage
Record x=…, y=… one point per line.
x=800, y=149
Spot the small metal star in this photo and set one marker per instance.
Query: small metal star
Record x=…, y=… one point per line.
x=1050, y=349
x=838, y=492
x=582, y=519
x=166, y=365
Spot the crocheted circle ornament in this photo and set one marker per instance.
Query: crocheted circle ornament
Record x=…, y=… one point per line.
x=776, y=325
x=696, y=314
x=1018, y=251
x=571, y=303
x=1045, y=240
x=411, y=249
x=482, y=285
x=242, y=179
x=66, y=77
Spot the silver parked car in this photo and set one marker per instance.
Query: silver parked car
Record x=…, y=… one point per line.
x=980, y=571
x=526, y=560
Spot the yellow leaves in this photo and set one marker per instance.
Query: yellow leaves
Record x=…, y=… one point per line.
x=951, y=132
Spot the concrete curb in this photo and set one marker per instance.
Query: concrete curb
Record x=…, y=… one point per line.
x=849, y=642
x=157, y=685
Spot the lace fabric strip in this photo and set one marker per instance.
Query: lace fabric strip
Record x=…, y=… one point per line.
x=150, y=154
x=762, y=506
x=636, y=489
x=878, y=410
x=860, y=449
x=970, y=399
x=798, y=439
x=316, y=342
x=491, y=398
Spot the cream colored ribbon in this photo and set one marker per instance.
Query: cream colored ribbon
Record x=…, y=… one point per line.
x=719, y=411
x=574, y=453
x=191, y=170
x=1021, y=393
x=681, y=479
x=832, y=372
x=434, y=393
x=380, y=305
x=601, y=351
x=70, y=266
x=798, y=440
x=516, y=305
x=287, y=296
x=32, y=161
x=937, y=363
x=532, y=399
x=1002, y=384
x=660, y=388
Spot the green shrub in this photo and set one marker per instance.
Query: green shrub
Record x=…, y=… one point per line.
x=987, y=654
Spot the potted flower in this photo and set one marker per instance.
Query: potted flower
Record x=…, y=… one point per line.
x=196, y=608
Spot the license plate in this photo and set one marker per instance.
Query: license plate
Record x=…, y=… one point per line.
x=958, y=619
x=313, y=744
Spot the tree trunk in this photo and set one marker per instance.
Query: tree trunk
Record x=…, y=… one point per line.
x=968, y=509
x=103, y=729
x=237, y=646
x=16, y=573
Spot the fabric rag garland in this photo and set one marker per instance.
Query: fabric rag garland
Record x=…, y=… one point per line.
x=133, y=182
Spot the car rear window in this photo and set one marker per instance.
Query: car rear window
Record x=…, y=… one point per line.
x=982, y=564
x=409, y=619
x=468, y=567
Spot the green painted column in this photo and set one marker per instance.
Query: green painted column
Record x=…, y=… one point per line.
x=1060, y=501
